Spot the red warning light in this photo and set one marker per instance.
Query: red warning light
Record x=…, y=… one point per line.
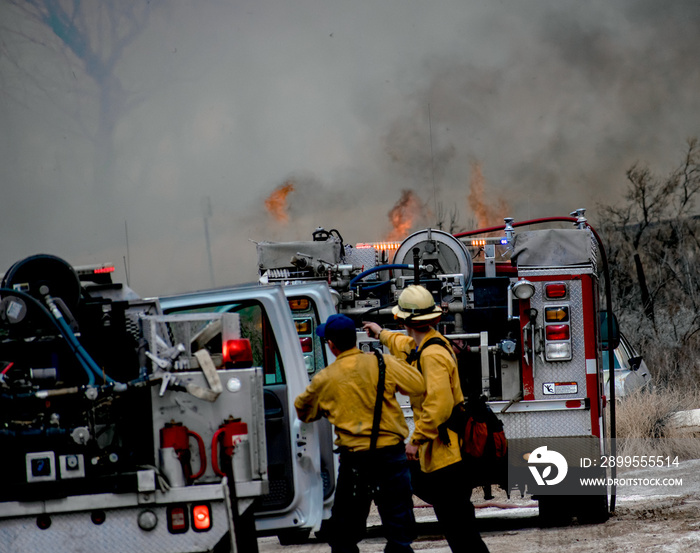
x=201, y=518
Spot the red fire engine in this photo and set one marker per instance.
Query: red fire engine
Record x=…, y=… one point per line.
x=523, y=309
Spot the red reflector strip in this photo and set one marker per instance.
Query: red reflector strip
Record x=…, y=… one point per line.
x=557, y=332
x=201, y=518
x=573, y=404
x=555, y=291
x=307, y=344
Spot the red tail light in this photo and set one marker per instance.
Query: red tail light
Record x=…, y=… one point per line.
x=555, y=290
x=307, y=344
x=238, y=353
x=557, y=332
x=201, y=518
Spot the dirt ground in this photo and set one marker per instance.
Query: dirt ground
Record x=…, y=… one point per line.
x=668, y=525
x=645, y=520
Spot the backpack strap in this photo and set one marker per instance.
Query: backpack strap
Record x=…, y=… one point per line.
x=378, y=402
x=415, y=356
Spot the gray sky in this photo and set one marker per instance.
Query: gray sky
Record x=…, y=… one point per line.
x=551, y=101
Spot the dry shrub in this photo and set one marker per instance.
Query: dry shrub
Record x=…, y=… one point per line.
x=673, y=362
x=645, y=423
x=652, y=239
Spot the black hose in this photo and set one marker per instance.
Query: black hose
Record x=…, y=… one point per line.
x=82, y=356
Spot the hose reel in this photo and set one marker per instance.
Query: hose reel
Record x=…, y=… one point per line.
x=44, y=274
x=439, y=253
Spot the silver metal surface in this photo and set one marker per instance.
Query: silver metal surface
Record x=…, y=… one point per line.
x=536, y=405
x=527, y=424
x=76, y=533
x=204, y=417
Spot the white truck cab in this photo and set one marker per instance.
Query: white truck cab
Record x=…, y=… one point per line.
x=280, y=323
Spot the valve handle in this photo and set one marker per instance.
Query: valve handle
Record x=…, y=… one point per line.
x=202, y=455
x=215, y=452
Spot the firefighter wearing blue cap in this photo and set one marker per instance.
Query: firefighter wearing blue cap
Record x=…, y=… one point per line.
x=346, y=393
x=440, y=480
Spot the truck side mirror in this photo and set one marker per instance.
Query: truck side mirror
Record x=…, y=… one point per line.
x=635, y=362
x=614, y=339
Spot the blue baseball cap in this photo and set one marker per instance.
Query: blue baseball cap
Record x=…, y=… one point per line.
x=335, y=325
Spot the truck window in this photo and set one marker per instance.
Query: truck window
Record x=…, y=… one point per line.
x=605, y=361
x=255, y=326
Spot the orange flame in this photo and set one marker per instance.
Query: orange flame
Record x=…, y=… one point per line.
x=487, y=214
x=403, y=214
x=276, y=203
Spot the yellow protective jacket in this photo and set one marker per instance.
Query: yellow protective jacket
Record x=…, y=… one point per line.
x=443, y=392
x=345, y=392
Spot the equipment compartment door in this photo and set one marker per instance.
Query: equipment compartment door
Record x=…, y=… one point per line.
x=295, y=498
x=311, y=304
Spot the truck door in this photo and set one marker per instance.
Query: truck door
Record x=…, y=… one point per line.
x=311, y=304
x=295, y=499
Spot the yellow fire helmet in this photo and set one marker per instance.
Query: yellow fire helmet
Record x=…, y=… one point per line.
x=416, y=304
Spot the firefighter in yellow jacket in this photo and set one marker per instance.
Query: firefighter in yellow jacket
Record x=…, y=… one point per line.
x=346, y=393
x=441, y=480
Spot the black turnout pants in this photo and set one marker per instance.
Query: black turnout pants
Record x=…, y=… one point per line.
x=383, y=477
x=448, y=491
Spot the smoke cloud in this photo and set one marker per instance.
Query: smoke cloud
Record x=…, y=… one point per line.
x=488, y=211
x=490, y=109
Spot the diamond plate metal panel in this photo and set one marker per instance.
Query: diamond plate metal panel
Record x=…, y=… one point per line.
x=409, y=421
x=362, y=257
x=571, y=422
x=556, y=271
x=76, y=533
x=562, y=371
x=538, y=424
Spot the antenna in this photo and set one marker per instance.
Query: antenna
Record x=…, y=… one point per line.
x=127, y=259
x=432, y=160
x=206, y=208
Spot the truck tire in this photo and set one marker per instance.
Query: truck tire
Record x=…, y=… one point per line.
x=592, y=509
x=555, y=510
